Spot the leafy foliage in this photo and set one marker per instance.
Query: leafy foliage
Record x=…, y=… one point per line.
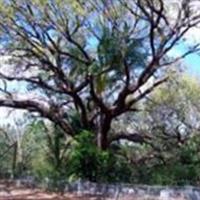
x=91, y=163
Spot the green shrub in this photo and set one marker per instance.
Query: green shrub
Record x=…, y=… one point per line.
x=91, y=163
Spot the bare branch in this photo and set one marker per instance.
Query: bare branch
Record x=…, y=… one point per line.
x=133, y=137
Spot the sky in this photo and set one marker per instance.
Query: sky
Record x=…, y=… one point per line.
x=192, y=61
x=193, y=65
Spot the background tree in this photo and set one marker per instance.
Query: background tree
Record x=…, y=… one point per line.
x=12, y=152
x=169, y=124
x=46, y=150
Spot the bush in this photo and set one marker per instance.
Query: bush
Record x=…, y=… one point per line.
x=183, y=167
x=91, y=163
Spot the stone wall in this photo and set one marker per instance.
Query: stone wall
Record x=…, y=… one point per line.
x=119, y=191
x=123, y=191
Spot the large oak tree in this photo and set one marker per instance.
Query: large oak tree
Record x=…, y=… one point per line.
x=89, y=62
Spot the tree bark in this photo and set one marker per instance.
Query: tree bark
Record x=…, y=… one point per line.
x=14, y=163
x=102, y=135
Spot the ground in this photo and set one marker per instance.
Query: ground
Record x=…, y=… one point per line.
x=9, y=191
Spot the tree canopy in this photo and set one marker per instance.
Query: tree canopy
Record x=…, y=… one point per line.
x=88, y=63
